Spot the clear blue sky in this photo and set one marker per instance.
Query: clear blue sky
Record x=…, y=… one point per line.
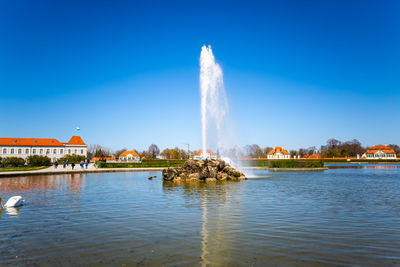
x=127, y=72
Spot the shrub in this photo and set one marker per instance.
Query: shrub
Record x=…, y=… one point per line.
x=13, y=162
x=72, y=158
x=37, y=160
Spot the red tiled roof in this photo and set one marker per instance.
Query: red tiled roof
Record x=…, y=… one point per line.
x=29, y=142
x=76, y=140
x=198, y=153
x=386, y=149
x=125, y=153
x=5, y=141
x=278, y=149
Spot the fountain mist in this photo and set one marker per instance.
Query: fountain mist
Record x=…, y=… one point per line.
x=217, y=131
x=214, y=106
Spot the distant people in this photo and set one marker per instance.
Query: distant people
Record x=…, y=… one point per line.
x=86, y=163
x=55, y=164
x=64, y=164
x=67, y=163
x=81, y=164
x=73, y=165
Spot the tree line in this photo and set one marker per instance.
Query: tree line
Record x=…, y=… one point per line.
x=152, y=152
x=332, y=148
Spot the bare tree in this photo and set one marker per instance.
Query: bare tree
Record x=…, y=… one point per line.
x=333, y=143
x=153, y=151
x=396, y=148
x=97, y=150
x=119, y=152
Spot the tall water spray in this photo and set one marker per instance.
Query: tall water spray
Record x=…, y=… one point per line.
x=214, y=106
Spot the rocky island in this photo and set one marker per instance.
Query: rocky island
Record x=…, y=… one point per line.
x=203, y=170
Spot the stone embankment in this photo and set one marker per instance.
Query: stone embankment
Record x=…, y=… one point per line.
x=203, y=170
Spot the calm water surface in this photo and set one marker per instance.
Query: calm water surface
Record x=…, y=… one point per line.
x=337, y=217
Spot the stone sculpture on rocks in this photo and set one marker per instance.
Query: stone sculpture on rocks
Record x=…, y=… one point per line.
x=203, y=170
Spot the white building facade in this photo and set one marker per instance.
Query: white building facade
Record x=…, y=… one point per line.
x=52, y=148
x=380, y=152
x=278, y=153
x=208, y=155
x=129, y=156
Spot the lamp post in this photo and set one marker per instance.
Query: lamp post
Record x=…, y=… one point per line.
x=188, y=149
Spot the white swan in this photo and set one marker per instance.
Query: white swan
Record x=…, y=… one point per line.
x=15, y=201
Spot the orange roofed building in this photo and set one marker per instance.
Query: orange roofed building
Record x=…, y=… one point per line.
x=50, y=147
x=131, y=156
x=380, y=152
x=278, y=153
x=209, y=154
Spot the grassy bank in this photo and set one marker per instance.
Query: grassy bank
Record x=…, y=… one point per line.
x=157, y=163
x=13, y=169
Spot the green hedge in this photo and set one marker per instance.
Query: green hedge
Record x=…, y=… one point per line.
x=254, y=163
x=151, y=163
x=293, y=163
x=37, y=160
x=13, y=162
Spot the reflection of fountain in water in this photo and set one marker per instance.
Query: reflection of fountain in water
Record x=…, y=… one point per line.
x=204, y=233
x=217, y=231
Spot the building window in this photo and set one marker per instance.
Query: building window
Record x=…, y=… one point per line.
x=12, y=151
x=19, y=151
x=61, y=151
x=69, y=151
x=54, y=151
x=48, y=151
x=76, y=151
x=4, y=150
x=34, y=151
x=27, y=151
x=41, y=151
x=81, y=151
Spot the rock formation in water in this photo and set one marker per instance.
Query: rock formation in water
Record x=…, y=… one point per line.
x=203, y=170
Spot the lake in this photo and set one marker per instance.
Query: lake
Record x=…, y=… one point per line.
x=346, y=217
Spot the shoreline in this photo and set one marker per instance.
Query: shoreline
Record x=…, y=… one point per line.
x=51, y=171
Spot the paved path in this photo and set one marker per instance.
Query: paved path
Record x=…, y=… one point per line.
x=60, y=170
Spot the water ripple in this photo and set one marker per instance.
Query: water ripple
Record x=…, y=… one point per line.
x=346, y=217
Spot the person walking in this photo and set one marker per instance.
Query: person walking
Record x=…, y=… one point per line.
x=81, y=164
x=67, y=163
x=73, y=165
x=64, y=163
x=86, y=163
x=55, y=164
